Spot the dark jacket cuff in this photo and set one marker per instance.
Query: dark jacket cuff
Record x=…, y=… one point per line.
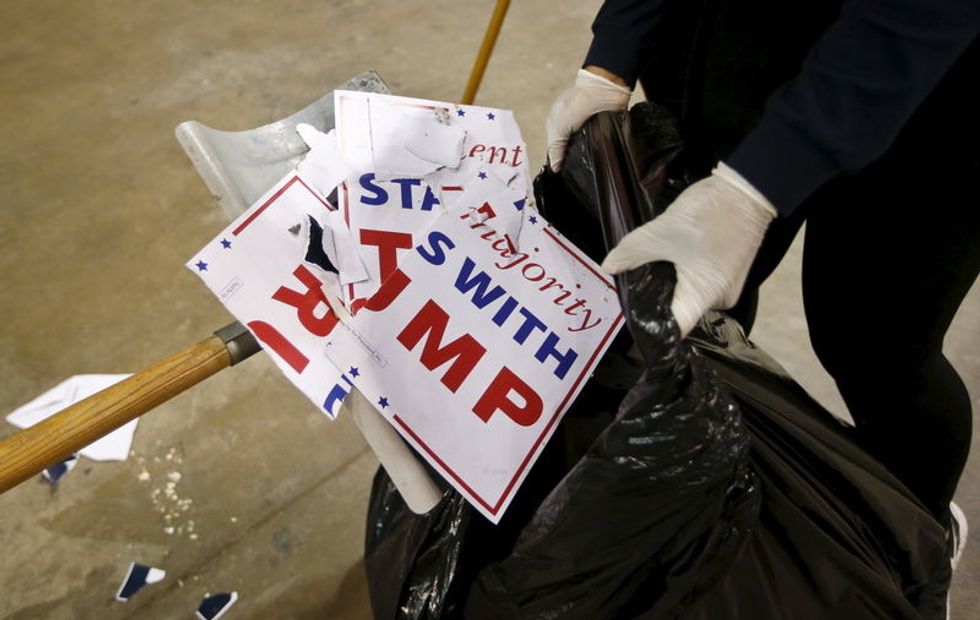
x=617, y=50
x=782, y=164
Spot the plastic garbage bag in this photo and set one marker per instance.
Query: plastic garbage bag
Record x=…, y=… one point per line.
x=713, y=488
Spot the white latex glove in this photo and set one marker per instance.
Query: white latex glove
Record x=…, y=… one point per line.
x=590, y=94
x=711, y=233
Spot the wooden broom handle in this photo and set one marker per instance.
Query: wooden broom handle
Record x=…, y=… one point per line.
x=50, y=441
x=486, y=49
x=28, y=452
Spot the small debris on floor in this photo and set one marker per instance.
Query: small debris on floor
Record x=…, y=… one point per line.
x=138, y=576
x=54, y=473
x=214, y=606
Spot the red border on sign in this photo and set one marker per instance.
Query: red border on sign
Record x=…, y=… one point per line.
x=495, y=508
x=282, y=190
x=605, y=279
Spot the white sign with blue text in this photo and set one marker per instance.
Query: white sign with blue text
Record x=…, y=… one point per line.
x=474, y=350
x=433, y=286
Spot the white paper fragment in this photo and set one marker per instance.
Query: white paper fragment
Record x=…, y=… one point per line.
x=343, y=250
x=323, y=167
x=112, y=447
x=435, y=142
x=343, y=264
x=155, y=575
x=319, y=255
x=371, y=132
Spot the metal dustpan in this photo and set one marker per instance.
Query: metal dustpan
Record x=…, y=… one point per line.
x=239, y=166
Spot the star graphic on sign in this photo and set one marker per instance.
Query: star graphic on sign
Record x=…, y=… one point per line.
x=490, y=116
x=354, y=372
x=533, y=219
x=460, y=112
x=482, y=175
x=201, y=265
x=225, y=244
x=383, y=402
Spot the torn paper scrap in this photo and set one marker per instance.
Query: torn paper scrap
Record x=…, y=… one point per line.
x=371, y=133
x=346, y=256
x=378, y=133
x=214, y=606
x=435, y=142
x=317, y=259
x=138, y=576
x=323, y=167
x=315, y=252
x=54, y=473
x=113, y=447
x=324, y=270
x=341, y=248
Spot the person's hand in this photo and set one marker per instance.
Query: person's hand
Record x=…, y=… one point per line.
x=711, y=233
x=595, y=90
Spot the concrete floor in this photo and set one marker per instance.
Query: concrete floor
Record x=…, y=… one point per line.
x=99, y=209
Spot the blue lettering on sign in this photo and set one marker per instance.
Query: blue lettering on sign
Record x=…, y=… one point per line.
x=531, y=323
x=548, y=349
x=376, y=195
x=380, y=195
x=407, y=185
x=466, y=281
x=429, y=200
x=336, y=396
x=436, y=256
x=478, y=286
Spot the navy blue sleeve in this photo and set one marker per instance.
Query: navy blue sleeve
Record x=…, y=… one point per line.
x=621, y=32
x=858, y=86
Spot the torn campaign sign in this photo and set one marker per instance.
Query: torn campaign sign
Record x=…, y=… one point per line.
x=259, y=269
x=434, y=287
x=474, y=351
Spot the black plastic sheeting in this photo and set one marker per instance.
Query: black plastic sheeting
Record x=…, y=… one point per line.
x=691, y=479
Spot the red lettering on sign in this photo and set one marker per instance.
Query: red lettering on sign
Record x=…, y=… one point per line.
x=383, y=297
x=307, y=302
x=502, y=151
x=497, y=398
x=388, y=244
x=274, y=340
x=465, y=351
x=487, y=210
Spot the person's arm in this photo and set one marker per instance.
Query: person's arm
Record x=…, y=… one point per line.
x=857, y=87
x=620, y=35
x=621, y=31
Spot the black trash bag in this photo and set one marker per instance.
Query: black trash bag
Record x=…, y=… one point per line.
x=411, y=559
x=719, y=490
x=838, y=536
x=658, y=508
